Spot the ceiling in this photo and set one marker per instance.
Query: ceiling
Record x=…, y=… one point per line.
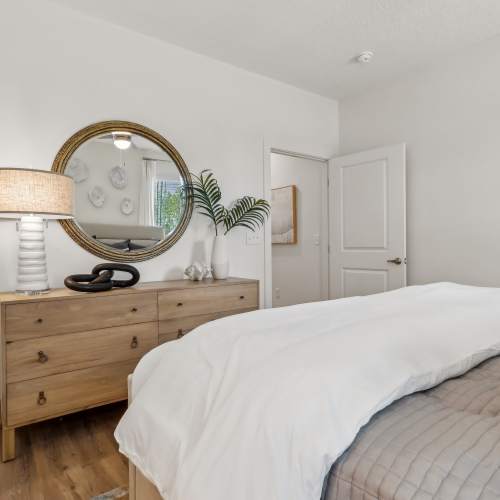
x=310, y=44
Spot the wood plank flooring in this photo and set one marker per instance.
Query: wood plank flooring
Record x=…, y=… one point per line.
x=68, y=458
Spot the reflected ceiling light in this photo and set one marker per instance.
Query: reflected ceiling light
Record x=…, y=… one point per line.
x=122, y=140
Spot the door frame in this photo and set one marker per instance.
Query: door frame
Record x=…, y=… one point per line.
x=268, y=254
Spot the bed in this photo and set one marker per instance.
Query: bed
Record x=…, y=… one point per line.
x=441, y=443
x=411, y=414
x=126, y=237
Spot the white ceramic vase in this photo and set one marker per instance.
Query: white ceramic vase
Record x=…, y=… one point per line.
x=220, y=261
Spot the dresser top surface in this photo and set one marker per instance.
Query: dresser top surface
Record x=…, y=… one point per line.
x=151, y=286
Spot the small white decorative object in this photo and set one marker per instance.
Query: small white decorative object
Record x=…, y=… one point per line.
x=97, y=197
x=197, y=271
x=220, y=261
x=118, y=177
x=78, y=170
x=127, y=206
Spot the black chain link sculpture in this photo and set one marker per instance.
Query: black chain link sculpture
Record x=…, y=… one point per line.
x=101, y=278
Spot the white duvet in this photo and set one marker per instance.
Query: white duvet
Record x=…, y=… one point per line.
x=258, y=406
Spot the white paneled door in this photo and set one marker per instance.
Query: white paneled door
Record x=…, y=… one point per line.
x=368, y=222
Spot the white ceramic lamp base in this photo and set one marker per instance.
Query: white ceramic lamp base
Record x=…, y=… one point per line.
x=32, y=275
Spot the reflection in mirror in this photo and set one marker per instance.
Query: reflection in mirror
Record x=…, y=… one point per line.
x=129, y=193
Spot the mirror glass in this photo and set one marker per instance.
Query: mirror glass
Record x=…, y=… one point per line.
x=129, y=192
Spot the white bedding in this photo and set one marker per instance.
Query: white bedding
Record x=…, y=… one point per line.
x=258, y=406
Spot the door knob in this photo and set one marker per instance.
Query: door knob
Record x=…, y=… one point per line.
x=396, y=261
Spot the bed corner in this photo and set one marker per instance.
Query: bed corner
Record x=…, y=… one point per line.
x=139, y=487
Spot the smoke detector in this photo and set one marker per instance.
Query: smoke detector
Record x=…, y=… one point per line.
x=365, y=57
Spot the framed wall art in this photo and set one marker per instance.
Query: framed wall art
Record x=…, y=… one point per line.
x=284, y=215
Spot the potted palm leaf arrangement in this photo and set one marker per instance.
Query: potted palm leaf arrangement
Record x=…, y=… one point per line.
x=246, y=212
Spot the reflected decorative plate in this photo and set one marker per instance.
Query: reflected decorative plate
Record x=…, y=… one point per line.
x=77, y=170
x=97, y=196
x=118, y=177
x=127, y=206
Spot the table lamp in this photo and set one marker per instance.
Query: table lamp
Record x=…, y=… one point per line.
x=34, y=196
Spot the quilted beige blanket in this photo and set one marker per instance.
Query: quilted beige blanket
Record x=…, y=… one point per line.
x=440, y=444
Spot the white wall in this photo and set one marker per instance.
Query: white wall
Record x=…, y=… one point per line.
x=449, y=116
x=61, y=71
x=299, y=271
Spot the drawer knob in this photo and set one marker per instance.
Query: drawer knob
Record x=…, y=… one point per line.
x=134, y=309
x=135, y=342
x=179, y=304
x=39, y=320
x=180, y=333
x=242, y=297
x=42, y=357
x=41, y=398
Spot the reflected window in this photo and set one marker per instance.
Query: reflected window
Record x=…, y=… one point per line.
x=168, y=203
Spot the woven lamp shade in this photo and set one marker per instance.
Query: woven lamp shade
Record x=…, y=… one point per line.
x=37, y=192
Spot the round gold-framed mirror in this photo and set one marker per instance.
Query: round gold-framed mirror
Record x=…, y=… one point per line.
x=132, y=199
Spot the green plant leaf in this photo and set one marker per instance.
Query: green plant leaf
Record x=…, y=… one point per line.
x=206, y=195
x=248, y=212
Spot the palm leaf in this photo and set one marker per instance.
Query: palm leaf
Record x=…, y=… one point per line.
x=248, y=212
x=206, y=195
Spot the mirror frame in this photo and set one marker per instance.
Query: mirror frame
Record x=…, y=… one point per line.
x=78, y=234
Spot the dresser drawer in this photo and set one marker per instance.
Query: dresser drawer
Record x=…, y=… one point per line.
x=40, y=398
x=172, y=329
x=205, y=300
x=40, y=319
x=32, y=358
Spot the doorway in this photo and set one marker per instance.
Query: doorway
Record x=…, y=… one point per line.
x=299, y=229
x=363, y=197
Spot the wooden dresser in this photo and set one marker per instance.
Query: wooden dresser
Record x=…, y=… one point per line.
x=65, y=351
